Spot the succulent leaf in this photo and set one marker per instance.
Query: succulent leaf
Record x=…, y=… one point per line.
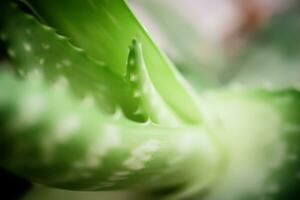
x=105, y=29
x=150, y=103
x=33, y=46
x=51, y=138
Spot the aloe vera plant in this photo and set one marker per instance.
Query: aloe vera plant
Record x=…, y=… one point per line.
x=96, y=106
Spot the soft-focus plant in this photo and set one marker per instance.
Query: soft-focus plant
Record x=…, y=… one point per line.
x=96, y=106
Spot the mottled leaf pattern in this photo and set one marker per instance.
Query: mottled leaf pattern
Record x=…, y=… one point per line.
x=52, y=138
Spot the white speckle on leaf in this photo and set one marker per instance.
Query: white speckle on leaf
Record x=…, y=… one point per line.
x=30, y=110
x=141, y=155
x=11, y=53
x=133, y=77
x=88, y=101
x=134, y=164
x=61, y=37
x=99, y=62
x=138, y=111
x=42, y=61
x=61, y=84
x=118, y=113
x=47, y=28
x=21, y=72
x=122, y=173
x=45, y=46
x=137, y=94
x=58, y=65
x=119, y=176
x=131, y=62
x=27, y=47
x=67, y=63
x=78, y=49
x=35, y=75
x=67, y=127
x=111, y=133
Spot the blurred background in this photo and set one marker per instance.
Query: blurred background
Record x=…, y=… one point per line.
x=227, y=42
x=214, y=43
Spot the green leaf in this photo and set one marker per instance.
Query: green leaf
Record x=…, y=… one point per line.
x=50, y=137
x=105, y=29
x=151, y=105
x=32, y=45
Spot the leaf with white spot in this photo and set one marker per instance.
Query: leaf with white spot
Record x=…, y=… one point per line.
x=105, y=29
x=149, y=102
x=55, y=57
x=67, y=144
